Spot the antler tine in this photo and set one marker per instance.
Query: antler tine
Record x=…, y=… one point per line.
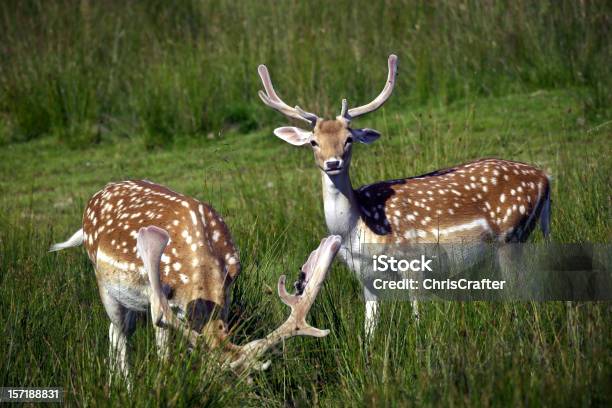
x=312, y=118
x=382, y=97
x=151, y=242
x=271, y=99
x=344, y=110
x=315, y=268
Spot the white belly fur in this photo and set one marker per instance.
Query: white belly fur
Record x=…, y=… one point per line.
x=461, y=256
x=132, y=297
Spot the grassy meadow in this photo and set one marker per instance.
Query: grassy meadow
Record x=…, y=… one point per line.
x=94, y=92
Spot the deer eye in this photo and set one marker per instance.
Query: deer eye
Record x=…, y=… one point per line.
x=349, y=140
x=313, y=143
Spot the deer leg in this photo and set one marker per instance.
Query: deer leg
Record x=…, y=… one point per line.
x=121, y=327
x=415, y=310
x=510, y=264
x=371, y=313
x=226, y=306
x=117, y=353
x=371, y=318
x=162, y=342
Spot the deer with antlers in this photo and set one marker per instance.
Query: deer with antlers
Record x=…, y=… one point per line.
x=153, y=248
x=488, y=200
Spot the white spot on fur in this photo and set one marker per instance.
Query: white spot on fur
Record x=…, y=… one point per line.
x=479, y=223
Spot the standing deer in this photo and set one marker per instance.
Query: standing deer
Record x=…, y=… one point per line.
x=488, y=200
x=153, y=248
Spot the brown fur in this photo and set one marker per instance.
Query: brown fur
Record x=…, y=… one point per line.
x=199, y=263
x=331, y=136
x=502, y=194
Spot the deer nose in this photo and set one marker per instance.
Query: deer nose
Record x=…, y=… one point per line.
x=333, y=164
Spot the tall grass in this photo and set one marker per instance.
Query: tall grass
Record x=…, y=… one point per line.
x=84, y=70
x=54, y=330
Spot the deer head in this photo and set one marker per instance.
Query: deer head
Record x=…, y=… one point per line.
x=331, y=140
x=151, y=242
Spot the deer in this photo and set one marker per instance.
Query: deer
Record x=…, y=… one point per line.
x=158, y=250
x=485, y=200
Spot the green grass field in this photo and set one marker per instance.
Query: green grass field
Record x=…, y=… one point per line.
x=54, y=329
x=92, y=92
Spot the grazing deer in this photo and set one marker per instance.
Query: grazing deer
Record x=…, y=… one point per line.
x=487, y=200
x=153, y=248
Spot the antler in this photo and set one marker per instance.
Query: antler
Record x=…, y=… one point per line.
x=314, y=270
x=271, y=99
x=379, y=100
x=151, y=242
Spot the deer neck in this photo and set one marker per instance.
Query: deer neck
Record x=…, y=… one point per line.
x=340, y=204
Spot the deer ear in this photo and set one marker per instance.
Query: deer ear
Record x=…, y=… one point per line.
x=293, y=135
x=365, y=135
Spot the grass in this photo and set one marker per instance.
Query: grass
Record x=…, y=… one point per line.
x=85, y=71
x=54, y=329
